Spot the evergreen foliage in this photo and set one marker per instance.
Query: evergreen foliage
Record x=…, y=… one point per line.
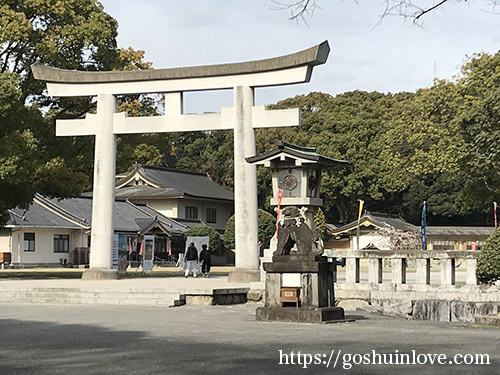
x=488, y=261
x=76, y=34
x=320, y=222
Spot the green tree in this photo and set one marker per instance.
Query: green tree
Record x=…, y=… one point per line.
x=320, y=222
x=488, y=261
x=423, y=150
x=147, y=155
x=215, y=242
x=209, y=152
x=266, y=227
x=74, y=34
x=423, y=136
x=480, y=124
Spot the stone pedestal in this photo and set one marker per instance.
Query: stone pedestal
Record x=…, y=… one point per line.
x=315, y=277
x=243, y=276
x=100, y=274
x=301, y=315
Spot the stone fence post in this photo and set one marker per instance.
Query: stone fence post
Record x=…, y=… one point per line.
x=399, y=260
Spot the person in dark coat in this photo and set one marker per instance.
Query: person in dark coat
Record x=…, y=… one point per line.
x=191, y=259
x=205, y=260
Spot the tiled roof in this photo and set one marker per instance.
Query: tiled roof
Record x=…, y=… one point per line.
x=76, y=213
x=379, y=220
x=38, y=216
x=459, y=231
x=294, y=151
x=173, y=182
x=146, y=191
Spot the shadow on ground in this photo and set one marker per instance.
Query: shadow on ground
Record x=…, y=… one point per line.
x=194, y=341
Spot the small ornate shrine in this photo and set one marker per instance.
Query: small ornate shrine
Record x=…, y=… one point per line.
x=299, y=280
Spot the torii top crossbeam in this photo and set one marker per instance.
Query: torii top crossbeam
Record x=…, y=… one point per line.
x=293, y=68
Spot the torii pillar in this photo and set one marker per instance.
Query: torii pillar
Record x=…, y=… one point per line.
x=243, y=118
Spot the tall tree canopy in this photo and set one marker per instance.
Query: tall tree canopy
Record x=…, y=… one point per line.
x=71, y=34
x=440, y=144
x=480, y=124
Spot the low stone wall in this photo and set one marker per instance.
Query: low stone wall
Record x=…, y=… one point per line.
x=420, y=300
x=457, y=303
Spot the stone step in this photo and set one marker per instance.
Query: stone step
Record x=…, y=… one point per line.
x=108, y=301
x=75, y=296
x=120, y=294
x=138, y=297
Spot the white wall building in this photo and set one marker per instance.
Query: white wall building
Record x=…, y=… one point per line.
x=49, y=231
x=189, y=197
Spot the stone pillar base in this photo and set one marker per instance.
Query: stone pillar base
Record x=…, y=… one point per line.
x=99, y=274
x=301, y=315
x=244, y=276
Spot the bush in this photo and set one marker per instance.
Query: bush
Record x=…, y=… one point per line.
x=215, y=243
x=488, y=262
x=320, y=222
x=267, y=227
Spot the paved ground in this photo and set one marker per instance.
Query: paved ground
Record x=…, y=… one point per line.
x=88, y=339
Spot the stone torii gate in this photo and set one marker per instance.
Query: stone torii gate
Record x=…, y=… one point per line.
x=243, y=118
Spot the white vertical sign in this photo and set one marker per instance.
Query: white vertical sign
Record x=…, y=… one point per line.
x=148, y=253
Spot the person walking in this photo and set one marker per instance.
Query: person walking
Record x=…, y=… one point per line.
x=205, y=260
x=191, y=259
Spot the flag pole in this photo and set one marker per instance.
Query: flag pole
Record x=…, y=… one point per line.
x=423, y=225
x=361, y=202
x=495, y=214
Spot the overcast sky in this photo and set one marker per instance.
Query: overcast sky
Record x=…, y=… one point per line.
x=391, y=57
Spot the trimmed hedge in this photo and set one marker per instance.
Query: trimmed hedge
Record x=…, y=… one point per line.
x=488, y=261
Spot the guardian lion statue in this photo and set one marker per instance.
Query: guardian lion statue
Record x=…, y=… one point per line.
x=294, y=235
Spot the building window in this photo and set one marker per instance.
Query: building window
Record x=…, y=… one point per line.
x=443, y=245
x=29, y=241
x=211, y=215
x=191, y=213
x=61, y=243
